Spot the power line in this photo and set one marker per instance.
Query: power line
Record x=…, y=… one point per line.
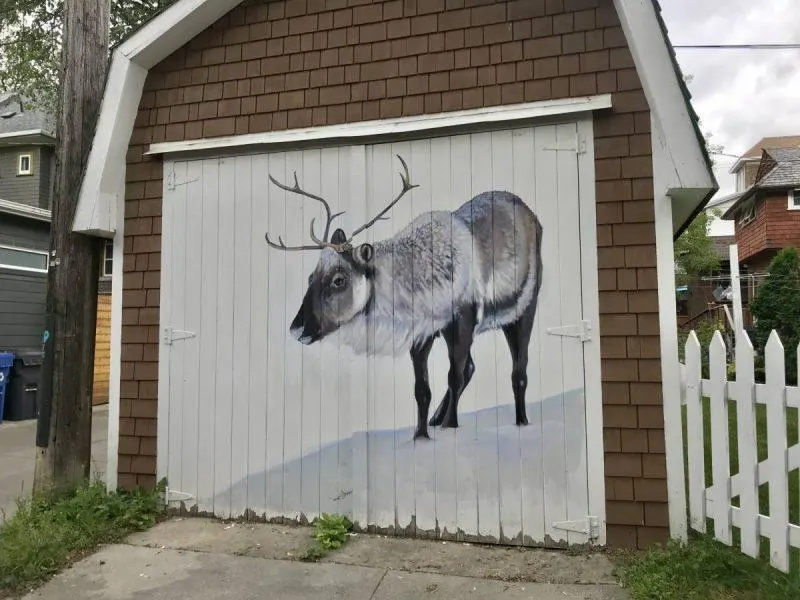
x=793, y=46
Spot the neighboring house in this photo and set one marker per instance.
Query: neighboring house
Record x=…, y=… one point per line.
x=576, y=107
x=27, y=170
x=27, y=163
x=767, y=213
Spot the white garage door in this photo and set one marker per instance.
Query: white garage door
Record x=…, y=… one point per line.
x=253, y=422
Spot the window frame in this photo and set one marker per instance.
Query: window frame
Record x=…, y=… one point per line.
x=108, y=258
x=20, y=170
x=748, y=215
x=29, y=251
x=794, y=199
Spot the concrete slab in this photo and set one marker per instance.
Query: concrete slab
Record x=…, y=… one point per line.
x=383, y=552
x=137, y=573
x=477, y=560
x=123, y=572
x=246, y=539
x=17, y=453
x=413, y=586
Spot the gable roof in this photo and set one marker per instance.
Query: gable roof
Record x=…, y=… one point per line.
x=767, y=143
x=21, y=125
x=779, y=169
x=103, y=187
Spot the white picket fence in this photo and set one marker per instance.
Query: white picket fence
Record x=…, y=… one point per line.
x=715, y=502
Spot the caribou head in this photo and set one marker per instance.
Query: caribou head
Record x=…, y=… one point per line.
x=341, y=285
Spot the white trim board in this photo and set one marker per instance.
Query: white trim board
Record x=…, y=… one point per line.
x=396, y=126
x=663, y=180
x=23, y=210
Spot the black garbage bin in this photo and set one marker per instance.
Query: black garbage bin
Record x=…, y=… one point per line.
x=22, y=395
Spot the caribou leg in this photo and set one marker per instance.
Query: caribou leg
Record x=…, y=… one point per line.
x=459, y=334
x=422, y=388
x=518, y=336
x=438, y=416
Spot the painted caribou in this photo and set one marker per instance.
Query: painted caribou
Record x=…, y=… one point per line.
x=455, y=274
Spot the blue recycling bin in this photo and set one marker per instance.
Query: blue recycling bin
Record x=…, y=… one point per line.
x=6, y=362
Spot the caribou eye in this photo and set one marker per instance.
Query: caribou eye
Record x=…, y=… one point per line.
x=338, y=280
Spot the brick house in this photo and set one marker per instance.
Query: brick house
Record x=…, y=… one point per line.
x=578, y=106
x=765, y=214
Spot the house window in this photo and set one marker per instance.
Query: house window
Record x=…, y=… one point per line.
x=108, y=258
x=794, y=199
x=22, y=259
x=747, y=215
x=24, y=165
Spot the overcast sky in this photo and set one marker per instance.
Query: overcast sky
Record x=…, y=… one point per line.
x=740, y=95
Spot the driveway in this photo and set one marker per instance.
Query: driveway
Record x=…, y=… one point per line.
x=18, y=454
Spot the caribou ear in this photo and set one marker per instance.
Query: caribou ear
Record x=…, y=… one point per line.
x=338, y=237
x=364, y=253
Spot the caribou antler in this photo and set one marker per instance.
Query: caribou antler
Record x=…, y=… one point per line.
x=407, y=186
x=320, y=244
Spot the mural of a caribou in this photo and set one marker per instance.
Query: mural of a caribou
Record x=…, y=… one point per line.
x=455, y=274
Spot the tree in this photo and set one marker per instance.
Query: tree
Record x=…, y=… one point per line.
x=777, y=306
x=31, y=33
x=694, y=250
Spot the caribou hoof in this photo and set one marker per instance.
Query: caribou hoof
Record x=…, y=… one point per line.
x=421, y=434
x=450, y=423
x=522, y=421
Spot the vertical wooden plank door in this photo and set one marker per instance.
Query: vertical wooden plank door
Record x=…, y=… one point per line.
x=257, y=423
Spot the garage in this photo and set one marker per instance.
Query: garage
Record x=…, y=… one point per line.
x=253, y=422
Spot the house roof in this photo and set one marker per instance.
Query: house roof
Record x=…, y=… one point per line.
x=722, y=245
x=690, y=179
x=767, y=143
x=18, y=122
x=779, y=169
x=723, y=200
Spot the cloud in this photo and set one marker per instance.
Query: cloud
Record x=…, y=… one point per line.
x=740, y=95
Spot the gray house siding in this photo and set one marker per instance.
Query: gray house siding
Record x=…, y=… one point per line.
x=46, y=171
x=24, y=189
x=22, y=294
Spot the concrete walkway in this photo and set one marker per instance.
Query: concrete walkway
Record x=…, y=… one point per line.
x=18, y=453
x=202, y=559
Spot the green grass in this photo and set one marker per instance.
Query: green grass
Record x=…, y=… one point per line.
x=46, y=534
x=762, y=452
x=704, y=570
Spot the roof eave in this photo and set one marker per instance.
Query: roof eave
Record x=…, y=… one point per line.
x=683, y=143
x=23, y=210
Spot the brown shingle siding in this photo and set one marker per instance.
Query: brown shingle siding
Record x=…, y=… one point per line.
x=274, y=65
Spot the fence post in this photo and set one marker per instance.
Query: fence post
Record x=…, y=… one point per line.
x=748, y=458
x=694, y=434
x=721, y=492
x=777, y=460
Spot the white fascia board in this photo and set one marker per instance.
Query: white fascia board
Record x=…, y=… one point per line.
x=395, y=126
x=23, y=210
x=172, y=29
x=103, y=185
x=26, y=133
x=664, y=96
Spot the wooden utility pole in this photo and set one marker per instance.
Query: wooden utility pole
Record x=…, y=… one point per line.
x=64, y=431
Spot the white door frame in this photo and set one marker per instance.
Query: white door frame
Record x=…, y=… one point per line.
x=589, y=284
